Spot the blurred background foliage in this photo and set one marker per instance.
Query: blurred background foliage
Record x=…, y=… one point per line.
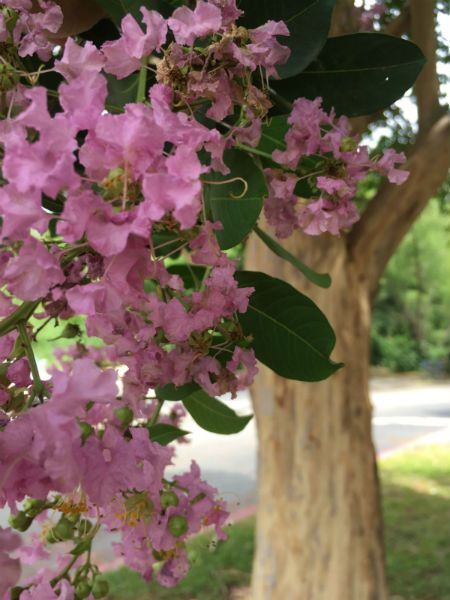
x=411, y=317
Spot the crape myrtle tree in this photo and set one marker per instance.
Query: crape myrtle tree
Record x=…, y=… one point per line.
x=141, y=141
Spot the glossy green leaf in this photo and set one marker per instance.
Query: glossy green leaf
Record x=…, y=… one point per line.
x=308, y=22
x=192, y=275
x=290, y=333
x=166, y=242
x=320, y=279
x=173, y=392
x=237, y=204
x=357, y=74
x=121, y=91
x=272, y=134
x=213, y=415
x=164, y=433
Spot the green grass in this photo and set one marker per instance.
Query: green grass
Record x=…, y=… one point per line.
x=216, y=568
x=416, y=504
x=417, y=523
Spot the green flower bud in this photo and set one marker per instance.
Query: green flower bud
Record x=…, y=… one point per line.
x=73, y=518
x=63, y=530
x=82, y=590
x=125, y=415
x=348, y=144
x=20, y=521
x=84, y=527
x=169, y=499
x=33, y=507
x=177, y=525
x=100, y=588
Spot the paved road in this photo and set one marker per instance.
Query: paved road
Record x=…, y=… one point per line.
x=405, y=408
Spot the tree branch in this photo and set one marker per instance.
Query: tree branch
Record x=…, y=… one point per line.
x=401, y=24
x=392, y=212
x=423, y=33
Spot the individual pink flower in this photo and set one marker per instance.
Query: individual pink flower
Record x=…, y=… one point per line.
x=305, y=134
x=187, y=24
x=21, y=212
x=280, y=208
x=78, y=59
x=176, y=190
x=205, y=247
x=123, y=56
x=386, y=165
x=19, y=373
x=9, y=567
x=33, y=272
x=45, y=164
x=33, y=551
x=265, y=48
x=229, y=10
x=243, y=364
x=84, y=383
x=31, y=29
x=174, y=569
x=83, y=99
x=327, y=216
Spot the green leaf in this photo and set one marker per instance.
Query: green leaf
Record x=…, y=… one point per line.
x=166, y=242
x=290, y=334
x=272, y=134
x=308, y=22
x=237, y=204
x=357, y=74
x=213, y=415
x=192, y=275
x=163, y=433
x=121, y=91
x=320, y=279
x=117, y=9
x=172, y=392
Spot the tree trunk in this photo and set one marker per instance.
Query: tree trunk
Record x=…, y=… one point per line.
x=319, y=531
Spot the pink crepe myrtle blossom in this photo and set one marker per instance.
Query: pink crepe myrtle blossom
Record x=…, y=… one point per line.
x=9, y=567
x=187, y=24
x=31, y=27
x=123, y=56
x=33, y=272
x=78, y=59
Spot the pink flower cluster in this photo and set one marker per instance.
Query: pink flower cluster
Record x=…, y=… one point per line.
x=28, y=29
x=102, y=209
x=342, y=165
x=93, y=204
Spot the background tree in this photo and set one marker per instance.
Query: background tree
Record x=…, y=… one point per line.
x=319, y=525
x=410, y=325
